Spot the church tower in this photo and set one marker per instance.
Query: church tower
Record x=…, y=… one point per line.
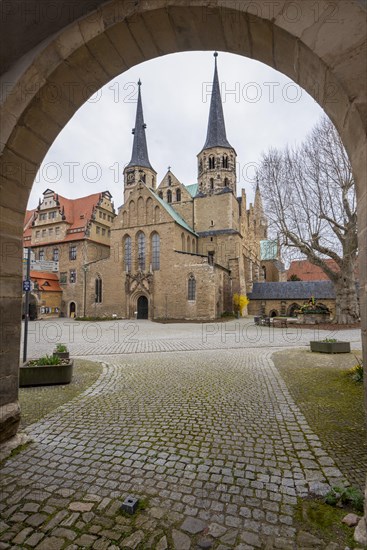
x=139, y=169
x=217, y=159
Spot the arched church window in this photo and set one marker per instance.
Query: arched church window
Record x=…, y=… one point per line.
x=160, y=194
x=178, y=195
x=191, y=288
x=127, y=253
x=188, y=244
x=226, y=182
x=141, y=251
x=169, y=196
x=156, y=245
x=225, y=161
x=98, y=290
x=211, y=163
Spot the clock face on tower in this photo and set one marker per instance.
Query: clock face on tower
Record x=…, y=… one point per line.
x=130, y=177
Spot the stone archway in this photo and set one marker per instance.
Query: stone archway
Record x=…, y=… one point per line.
x=57, y=65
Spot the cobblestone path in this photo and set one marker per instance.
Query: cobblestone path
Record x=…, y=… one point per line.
x=211, y=442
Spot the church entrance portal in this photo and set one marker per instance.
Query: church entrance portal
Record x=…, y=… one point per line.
x=142, y=307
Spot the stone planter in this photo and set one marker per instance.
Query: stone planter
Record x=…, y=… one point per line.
x=330, y=347
x=45, y=375
x=313, y=318
x=62, y=354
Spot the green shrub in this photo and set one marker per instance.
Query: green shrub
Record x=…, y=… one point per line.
x=349, y=496
x=356, y=372
x=45, y=360
x=329, y=340
x=61, y=348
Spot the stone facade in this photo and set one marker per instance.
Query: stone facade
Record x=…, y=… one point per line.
x=180, y=252
x=74, y=233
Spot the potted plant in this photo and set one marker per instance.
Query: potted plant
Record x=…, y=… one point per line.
x=45, y=371
x=330, y=345
x=313, y=313
x=61, y=351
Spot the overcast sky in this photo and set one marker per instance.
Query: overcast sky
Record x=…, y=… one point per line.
x=262, y=109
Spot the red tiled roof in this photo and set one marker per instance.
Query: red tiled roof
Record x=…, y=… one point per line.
x=51, y=279
x=307, y=271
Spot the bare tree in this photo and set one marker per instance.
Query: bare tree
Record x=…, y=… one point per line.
x=309, y=197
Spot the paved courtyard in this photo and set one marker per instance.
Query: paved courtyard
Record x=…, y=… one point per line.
x=206, y=435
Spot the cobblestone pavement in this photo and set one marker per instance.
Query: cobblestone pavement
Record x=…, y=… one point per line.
x=131, y=337
x=211, y=442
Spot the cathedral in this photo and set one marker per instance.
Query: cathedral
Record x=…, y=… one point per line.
x=172, y=251
x=179, y=251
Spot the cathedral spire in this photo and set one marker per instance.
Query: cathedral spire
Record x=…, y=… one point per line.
x=216, y=136
x=140, y=150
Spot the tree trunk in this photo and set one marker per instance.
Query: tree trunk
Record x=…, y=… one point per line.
x=347, y=304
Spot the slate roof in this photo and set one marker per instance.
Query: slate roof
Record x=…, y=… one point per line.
x=172, y=212
x=139, y=155
x=293, y=290
x=216, y=135
x=192, y=189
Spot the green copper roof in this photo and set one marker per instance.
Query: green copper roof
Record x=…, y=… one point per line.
x=192, y=189
x=268, y=250
x=172, y=212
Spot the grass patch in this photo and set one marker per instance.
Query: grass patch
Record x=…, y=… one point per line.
x=324, y=522
x=332, y=403
x=37, y=402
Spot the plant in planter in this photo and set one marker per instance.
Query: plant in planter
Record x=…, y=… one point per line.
x=330, y=345
x=61, y=351
x=45, y=371
x=313, y=312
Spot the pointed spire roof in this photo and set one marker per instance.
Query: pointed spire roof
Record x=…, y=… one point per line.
x=216, y=136
x=140, y=150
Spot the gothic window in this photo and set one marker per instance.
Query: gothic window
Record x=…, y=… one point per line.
x=98, y=290
x=41, y=255
x=141, y=251
x=127, y=253
x=160, y=194
x=193, y=246
x=225, y=161
x=191, y=289
x=157, y=214
x=178, y=195
x=226, y=182
x=169, y=196
x=188, y=247
x=55, y=255
x=156, y=245
x=211, y=163
x=211, y=184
